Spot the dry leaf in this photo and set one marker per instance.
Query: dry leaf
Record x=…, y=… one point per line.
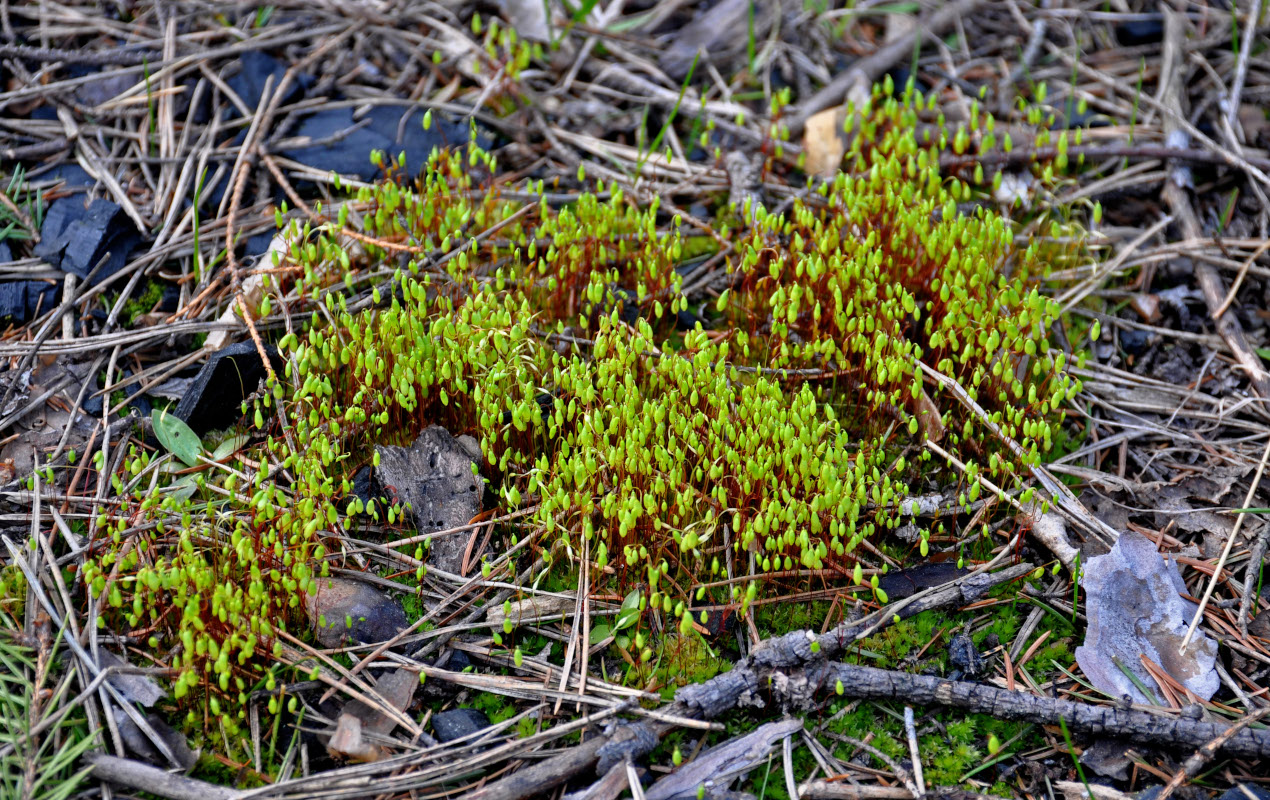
x=824, y=142
x=898, y=26
x=397, y=687
x=1147, y=306
x=1135, y=609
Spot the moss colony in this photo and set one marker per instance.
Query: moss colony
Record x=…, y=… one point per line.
x=777, y=439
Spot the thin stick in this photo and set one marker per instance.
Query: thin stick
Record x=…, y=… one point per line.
x=910, y=728
x=1239, y=279
x=632, y=782
x=787, y=756
x=1237, y=87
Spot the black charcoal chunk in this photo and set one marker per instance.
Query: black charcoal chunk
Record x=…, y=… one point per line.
x=457, y=723
x=903, y=583
x=341, y=143
x=434, y=475
x=76, y=236
x=1133, y=33
x=217, y=393
x=256, y=69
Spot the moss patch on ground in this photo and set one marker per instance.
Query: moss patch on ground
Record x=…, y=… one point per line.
x=691, y=463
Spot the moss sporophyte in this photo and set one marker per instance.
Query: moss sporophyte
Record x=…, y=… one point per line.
x=776, y=440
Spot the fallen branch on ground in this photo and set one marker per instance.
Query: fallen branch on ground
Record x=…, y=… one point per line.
x=739, y=687
x=1099, y=721
x=147, y=778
